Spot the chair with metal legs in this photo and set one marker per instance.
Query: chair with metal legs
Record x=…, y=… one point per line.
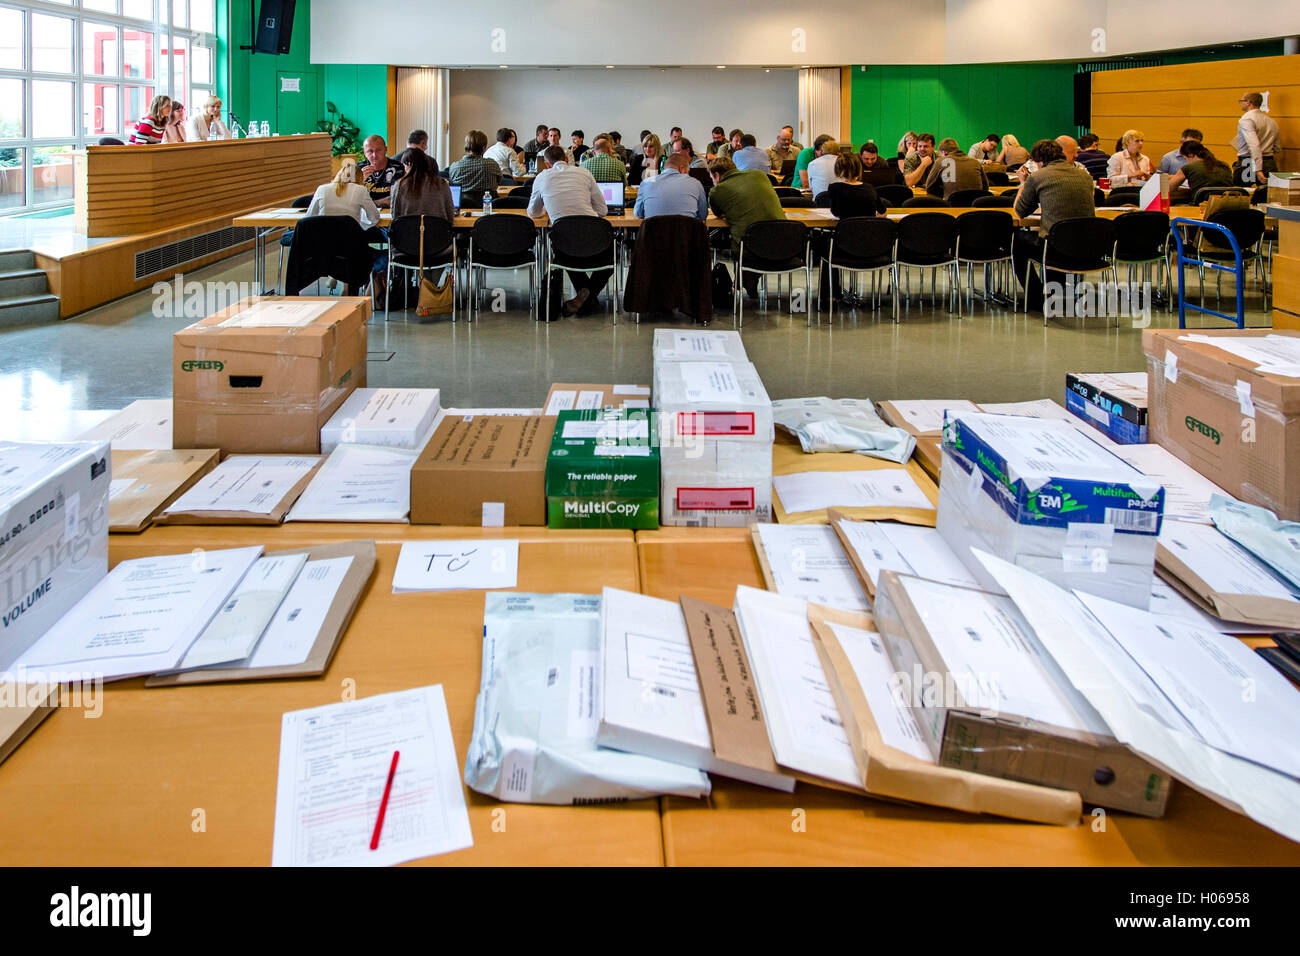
x=773, y=247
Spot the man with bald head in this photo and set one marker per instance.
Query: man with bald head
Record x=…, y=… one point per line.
x=674, y=192
x=380, y=170
x=1068, y=146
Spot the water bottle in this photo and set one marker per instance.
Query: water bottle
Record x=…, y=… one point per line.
x=266, y=128
x=487, y=203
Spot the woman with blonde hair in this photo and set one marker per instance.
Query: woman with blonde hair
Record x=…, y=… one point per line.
x=175, y=131
x=908, y=143
x=1012, y=154
x=206, y=123
x=345, y=196
x=1128, y=161
x=153, y=125
x=649, y=163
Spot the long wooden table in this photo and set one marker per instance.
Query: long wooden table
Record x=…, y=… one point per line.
x=124, y=788
x=743, y=825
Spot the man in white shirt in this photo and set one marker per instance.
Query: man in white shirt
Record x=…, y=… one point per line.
x=561, y=190
x=1257, y=142
x=502, y=152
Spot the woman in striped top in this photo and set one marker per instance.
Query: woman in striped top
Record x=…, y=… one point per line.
x=153, y=125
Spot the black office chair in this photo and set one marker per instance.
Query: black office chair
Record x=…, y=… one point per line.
x=857, y=245
x=582, y=244
x=110, y=141
x=670, y=269
x=783, y=191
x=500, y=242
x=926, y=202
x=511, y=202
x=1098, y=196
x=1205, y=192
x=1003, y=201
x=1142, y=239
x=1124, y=196
x=1077, y=246
x=799, y=202
x=823, y=199
x=1259, y=196
x=333, y=247
x=997, y=178
x=286, y=238
x=1247, y=227
x=985, y=238
x=404, y=249
x=773, y=247
x=894, y=195
x=926, y=240
x=965, y=198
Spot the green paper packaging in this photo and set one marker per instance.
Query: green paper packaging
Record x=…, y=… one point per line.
x=603, y=470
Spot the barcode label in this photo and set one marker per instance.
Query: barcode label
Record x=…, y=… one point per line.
x=1126, y=520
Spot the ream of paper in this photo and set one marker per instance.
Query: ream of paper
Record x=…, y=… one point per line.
x=248, y=483
x=334, y=764
x=894, y=719
x=882, y=488
x=235, y=629
x=289, y=638
x=359, y=483
x=434, y=565
x=278, y=313
x=807, y=562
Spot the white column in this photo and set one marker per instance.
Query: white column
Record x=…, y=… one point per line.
x=819, y=104
x=424, y=102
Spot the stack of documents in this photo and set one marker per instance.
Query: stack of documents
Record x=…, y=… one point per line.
x=392, y=417
x=359, y=483
x=698, y=345
x=245, y=489
x=807, y=562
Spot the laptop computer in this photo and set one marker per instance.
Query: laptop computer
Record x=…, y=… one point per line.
x=787, y=168
x=455, y=197
x=615, y=199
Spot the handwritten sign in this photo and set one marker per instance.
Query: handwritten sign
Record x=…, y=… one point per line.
x=470, y=565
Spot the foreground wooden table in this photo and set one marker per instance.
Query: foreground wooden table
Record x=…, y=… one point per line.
x=742, y=825
x=123, y=789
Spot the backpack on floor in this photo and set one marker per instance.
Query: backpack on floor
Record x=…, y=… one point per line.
x=722, y=287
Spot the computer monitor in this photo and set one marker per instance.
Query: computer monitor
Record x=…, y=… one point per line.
x=613, y=193
x=455, y=197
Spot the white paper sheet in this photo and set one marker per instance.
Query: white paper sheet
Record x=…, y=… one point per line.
x=288, y=639
x=278, y=313
x=925, y=415
x=907, y=549
x=1187, y=492
x=359, y=483
x=711, y=382
x=1220, y=562
x=562, y=400
x=1041, y=408
x=1274, y=354
x=808, y=563
x=883, y=488
x=143, y=425
x=633, y=390
x=803, y=721
x=143, y=616
x=334, y=763
x=234, y=631
x=434, y=565
x=250, y=483
x=870, y=662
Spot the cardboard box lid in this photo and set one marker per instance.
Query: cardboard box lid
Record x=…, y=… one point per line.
x=498, y=443
x=1280, y=392
x=607, y=453
x=315, y=338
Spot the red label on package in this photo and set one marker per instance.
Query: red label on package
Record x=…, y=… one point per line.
x=715, y=499
x=715, y=423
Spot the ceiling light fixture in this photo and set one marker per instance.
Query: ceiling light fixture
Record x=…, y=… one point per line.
x=720, y=67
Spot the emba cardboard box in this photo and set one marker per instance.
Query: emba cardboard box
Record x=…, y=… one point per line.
x=603, y=470
x=483, y=471
x=53, y=536
x=1114, y=403
x=263, y=376
x=1043, y=495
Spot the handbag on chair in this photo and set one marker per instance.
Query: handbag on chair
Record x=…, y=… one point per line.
x=434, y=299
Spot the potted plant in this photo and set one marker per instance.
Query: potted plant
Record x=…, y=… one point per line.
x=343, y=135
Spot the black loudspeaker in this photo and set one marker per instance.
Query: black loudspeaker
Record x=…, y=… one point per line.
x=274, y=26
x=1083, y=100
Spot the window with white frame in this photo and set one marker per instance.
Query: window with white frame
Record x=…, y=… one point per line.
x=75, y=71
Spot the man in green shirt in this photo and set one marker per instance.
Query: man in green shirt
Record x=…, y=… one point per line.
x=602, y=163
x=742, y=198
x=806, y=156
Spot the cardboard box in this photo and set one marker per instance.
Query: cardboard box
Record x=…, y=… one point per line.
x=988, y=698
x=146, y=482
x=1219, y=413
x=602, y=470
x=392, y=417
x=567, y=397
x=53, y=535
x=705, y=401
x=1114, y=403
x=698, y=345
x=253, y=388
x=1284, y=189
x=718, y=484
x=1041, y=494
x=483, y=470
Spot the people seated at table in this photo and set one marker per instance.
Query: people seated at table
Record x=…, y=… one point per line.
x=418, y=139
x=875, y=170
x=683, y=147
x=1200, y=168
x=1129, y=161
x=674, y=192
x=1012, y=154
x=783, y=149
x=379, y=169
x=674, y=135
x=986, y=150
x=553, y=139
x=174, y=132
x=205, y=123
x=918, y=162
x=535, y=146
x=647, y=163
x=474, y=172
x=1175, y=159
x=602, y=163
x=502, y=152
x=732, y=146
x=621, y=151
x=422, y=192
x=561, y=190
x=717, y=142
x=749, y=157
x=346, y=195
x=578, y=149
x=1064, y=191
x=1092, y=159
x=851, y=195
x=821, y=171
x=806, y=156
x=954, y=172
x=742, y=197
x=149, y=129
